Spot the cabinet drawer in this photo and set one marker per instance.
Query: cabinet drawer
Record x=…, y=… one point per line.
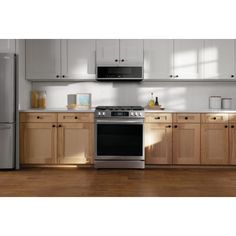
x=214, y=118
x=186, y=118
x=39, y=117
x=76, y=117
x=158, y=117
x=232, y=118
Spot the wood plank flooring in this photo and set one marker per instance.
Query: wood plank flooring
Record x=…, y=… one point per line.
x=63, y=182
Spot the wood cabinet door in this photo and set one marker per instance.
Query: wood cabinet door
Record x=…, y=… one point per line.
x=158, y=143
x=75, y=143
x=43, y=59
x=158, y=59
x=218, y=58
x=78, y=59
x=186, y=144
x=188, y=55
x=214, y=144
x=232, y=144
x=131, y=52
x=107, y=51
x=38, y=143
x=8, y=45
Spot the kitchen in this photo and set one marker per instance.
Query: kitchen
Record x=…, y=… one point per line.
x=119, y=81
x=117, y=117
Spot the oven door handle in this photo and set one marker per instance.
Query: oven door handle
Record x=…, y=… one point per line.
x=138, y=121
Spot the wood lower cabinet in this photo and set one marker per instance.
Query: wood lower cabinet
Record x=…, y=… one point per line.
x=186, y=144
x=75, y=143
x=38, y=143
x=214, y=144
x=232, y=144
x=158, y=143
x=45, y=142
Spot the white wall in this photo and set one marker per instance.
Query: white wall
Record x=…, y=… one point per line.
x=172, y=95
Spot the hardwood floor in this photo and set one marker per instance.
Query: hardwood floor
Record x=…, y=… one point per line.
x=85, y=182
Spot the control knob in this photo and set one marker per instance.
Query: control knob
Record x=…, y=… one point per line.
x=136, y=113
x=131, y=113
x=99, y=113
x=104, y=113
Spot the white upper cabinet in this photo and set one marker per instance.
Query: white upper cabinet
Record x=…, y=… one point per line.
x=188, y=54
x=107, y=51
x=43, y=59
x=8, y=45
x=78, y=59
x=219, y=60
x=131, y=52
x=119, y=52
x=158, y=58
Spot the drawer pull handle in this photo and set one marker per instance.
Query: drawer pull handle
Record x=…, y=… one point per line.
x=214, y=118
x=76, y=117
x=53, y=126
x=232, y=126
x=176, y=126
x=168, y=126
x=157, y=118
x=59, y=126
x=226, y=126
x=185, y=117
x=38, y=117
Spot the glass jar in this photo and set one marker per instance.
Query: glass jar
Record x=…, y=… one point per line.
x=42, y=99
x=34, y=99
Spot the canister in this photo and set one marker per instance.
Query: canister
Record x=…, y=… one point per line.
x=215, y=102
x=226, y=103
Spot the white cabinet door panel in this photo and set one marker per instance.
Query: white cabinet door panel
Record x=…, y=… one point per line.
x=188, y=58
x=43, y=59
x=131, y=52
x=107, y=51
x=78, y=58
x=218, y=58
x=8, y=45
x=158, y=58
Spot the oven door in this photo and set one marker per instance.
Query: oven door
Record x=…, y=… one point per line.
x=119, y=140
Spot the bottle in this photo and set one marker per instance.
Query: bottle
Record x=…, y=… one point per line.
x=42, y=99
x=152, y=102
x=156, y=102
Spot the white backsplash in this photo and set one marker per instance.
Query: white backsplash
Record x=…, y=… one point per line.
x=172, y=95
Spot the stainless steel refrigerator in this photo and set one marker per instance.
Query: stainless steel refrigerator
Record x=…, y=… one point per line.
x=7, y=111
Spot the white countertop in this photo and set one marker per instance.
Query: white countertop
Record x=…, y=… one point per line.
x=192, y=111
x=146, y=110
x=57, y=110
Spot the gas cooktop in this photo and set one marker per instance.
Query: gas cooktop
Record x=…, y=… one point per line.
x=120, y=108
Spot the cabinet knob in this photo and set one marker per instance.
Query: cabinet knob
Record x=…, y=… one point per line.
x=63, y=76
x=226, y=126
x=171, y=76
x=53, y=126
x=57, y=76
x=168, y=126
x=214, y=118
x=59, y=126
x=157, y=118
x=232, y=76
x=116, y=60
x=38, y=117
x=76, y=117
x=176, y=76
x=176, y=126
x=185, y=117
x=122, y=60
x=232, y=126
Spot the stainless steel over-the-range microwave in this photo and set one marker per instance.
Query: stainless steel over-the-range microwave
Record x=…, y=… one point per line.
x=118, y=73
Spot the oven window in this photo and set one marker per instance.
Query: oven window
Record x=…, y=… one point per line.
x=119, y=140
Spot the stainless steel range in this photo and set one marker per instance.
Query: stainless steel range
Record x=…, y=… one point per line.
x=119, y=137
